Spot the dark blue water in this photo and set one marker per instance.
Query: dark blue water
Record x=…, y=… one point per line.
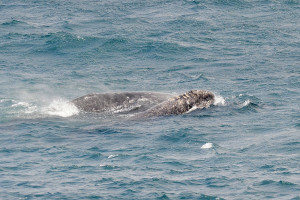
x=245, y=147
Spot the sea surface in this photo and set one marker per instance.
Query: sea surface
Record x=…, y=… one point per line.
x=245, y=146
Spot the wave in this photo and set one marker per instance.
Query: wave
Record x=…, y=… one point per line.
x=64, y=40
x=12, y=23
x=51, y=42
x=244, y=102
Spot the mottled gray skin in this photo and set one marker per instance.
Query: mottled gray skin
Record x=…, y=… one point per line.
x=194, y=99
x=146, y=103
x=118, y=101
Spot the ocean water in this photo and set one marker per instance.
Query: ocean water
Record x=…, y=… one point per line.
x=246, y=146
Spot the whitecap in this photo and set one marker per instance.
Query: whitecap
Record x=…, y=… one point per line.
x=207, y=145
x=246, y=103
x=112, y=156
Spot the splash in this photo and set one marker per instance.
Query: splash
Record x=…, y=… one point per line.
x=219, y=101
x=24, y=109
x=60, y=107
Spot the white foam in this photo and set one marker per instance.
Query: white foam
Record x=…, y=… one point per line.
x=246, y=103
x=26, y=107
x=60, y=107
x=219, y=101
x=112, y=156
x=31, y=109
x=20, y=104
x=207, y=145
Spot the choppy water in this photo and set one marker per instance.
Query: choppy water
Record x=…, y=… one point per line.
x=245, y=147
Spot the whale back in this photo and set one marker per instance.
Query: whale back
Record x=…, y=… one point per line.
x=194, y=99
x=145, y=104
x=119, y=102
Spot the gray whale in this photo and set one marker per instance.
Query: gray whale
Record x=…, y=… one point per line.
x=119, y=101
x=145, y=104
